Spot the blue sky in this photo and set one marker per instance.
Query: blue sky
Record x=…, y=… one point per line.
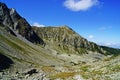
x=96, y=20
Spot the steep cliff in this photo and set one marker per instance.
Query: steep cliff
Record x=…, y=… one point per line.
x=17, y=24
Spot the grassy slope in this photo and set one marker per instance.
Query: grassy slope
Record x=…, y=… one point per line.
x=64, y=40
x=24, y=53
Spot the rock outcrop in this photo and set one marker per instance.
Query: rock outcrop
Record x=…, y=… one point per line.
x=12, y=20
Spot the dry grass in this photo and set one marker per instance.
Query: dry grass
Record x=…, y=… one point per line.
x=63, y=75
x=48, y=69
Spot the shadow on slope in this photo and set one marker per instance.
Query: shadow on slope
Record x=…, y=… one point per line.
x=5, y=62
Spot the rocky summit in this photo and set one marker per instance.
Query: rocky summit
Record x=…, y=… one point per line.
x=17, y=24
x=51, y=53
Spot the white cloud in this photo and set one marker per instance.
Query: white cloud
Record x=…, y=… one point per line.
x=105, y=28
x=38, y=24
x=110, y=44
x=80, y=5
x=102, y=28
x=90, y=36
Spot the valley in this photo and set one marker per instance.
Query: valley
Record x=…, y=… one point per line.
x=51, y=53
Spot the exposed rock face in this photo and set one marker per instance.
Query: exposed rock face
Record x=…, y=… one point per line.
x=66, y=38
x=11, y=19
x=5, y=18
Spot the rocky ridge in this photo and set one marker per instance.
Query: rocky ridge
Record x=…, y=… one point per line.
x=63, y=37
x=12, y=20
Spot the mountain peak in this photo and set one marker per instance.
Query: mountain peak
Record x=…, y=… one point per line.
x=2, y=4
x=12, y=11
x=17, y=24
x=64, y=27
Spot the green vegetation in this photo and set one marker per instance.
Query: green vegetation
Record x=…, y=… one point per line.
x=12, y=44
x=85, y=67
x=111, y=51
x=115, y=68
x=41, y=58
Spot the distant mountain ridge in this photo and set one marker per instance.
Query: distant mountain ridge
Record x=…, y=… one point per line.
x=65, y=38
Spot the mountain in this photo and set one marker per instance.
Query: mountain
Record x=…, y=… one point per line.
x=65, y=39
x=112, y=51
x=16, y=24
x=51, y=53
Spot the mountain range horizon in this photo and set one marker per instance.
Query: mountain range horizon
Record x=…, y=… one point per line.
x=99, y=23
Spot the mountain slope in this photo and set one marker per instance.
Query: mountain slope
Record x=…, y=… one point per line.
x=65, y=38
x=63, y=55
x=19, y=56
x=111, y=51
x=14, y=22
x=96, y=62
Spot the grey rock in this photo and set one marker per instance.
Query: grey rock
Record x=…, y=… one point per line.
x=5, y=18
x=10, y=18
